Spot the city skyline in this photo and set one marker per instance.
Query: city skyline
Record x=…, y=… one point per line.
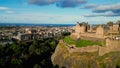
x=59, y=11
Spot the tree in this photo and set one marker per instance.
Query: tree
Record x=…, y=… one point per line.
x=65, y=33
x=36, y=54
x=1, y=49
x=36, y=66
x=16, y=63
x=15, y=48
x=31, y=49
x=118, y=22
x=53, y=45
x=110, y=23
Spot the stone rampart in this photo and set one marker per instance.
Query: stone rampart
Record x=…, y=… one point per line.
x=91, y=38
x=75, y=35
x=93, y=48
x=113, y=46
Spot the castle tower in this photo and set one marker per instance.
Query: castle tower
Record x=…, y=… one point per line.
x=100, y=31
x=81, y=28
x=116, y=27
x=91, y=29
x=77, y=28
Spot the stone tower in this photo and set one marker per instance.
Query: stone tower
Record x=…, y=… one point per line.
x=81, y=28
x=77, y=28
x=91, y=29
x=100, y=31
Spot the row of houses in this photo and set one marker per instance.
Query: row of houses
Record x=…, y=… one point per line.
x=30, y=33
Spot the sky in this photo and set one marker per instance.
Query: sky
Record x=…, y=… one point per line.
x=59, y=11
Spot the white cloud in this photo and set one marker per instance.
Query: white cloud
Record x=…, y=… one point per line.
x=9, y=11
x=4, y=8
x=59, y=3
x=90, y=6
x=39, y=18
x=106, y=14
x=105, y=8
x=52, y=18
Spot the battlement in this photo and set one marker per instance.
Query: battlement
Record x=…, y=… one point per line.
x=112, y=42
x=111, y=37
x=102, y=50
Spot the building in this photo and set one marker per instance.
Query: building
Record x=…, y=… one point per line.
x=81, y=27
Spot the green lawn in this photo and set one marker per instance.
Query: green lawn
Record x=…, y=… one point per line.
x=69, y=40
x=81, y=42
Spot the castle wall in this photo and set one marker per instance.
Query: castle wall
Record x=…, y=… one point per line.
x=112, y=42
x=100, y=31
x=115, y=27
x=111, y=46
x=77, y=29
x=87, y=36
x=75, y=36
x=93, y=48
x=91, y=29
x=91, y=38
x=80, y=28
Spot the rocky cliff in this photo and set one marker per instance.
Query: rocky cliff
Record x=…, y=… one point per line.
x=64, y=58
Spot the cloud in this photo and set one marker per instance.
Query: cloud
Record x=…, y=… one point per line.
x=105, y=8
x=9, y=11
x=59, y=3
x=3, y=8
x=38, y=18
x=6, y=9
x=106, y=14
x=89, y=6
x=42, y=2
x=42, y=18
x=70, y=3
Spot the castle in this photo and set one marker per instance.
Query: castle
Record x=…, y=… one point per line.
x=110, y=35
x=98, y=31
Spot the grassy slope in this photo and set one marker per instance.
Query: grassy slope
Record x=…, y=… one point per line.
x=81, y=42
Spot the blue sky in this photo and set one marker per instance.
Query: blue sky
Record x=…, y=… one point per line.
x=59, y=11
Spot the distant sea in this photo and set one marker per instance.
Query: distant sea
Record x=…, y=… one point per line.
x=49, y=25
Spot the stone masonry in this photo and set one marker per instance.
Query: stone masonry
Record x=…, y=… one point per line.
x=112, y=42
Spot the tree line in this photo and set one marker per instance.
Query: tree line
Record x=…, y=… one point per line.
x=30, y=54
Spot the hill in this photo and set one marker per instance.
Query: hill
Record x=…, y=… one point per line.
x=65, y=59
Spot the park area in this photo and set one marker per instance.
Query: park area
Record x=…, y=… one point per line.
x=81, y=42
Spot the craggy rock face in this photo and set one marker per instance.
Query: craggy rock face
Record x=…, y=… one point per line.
x=64, y=58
